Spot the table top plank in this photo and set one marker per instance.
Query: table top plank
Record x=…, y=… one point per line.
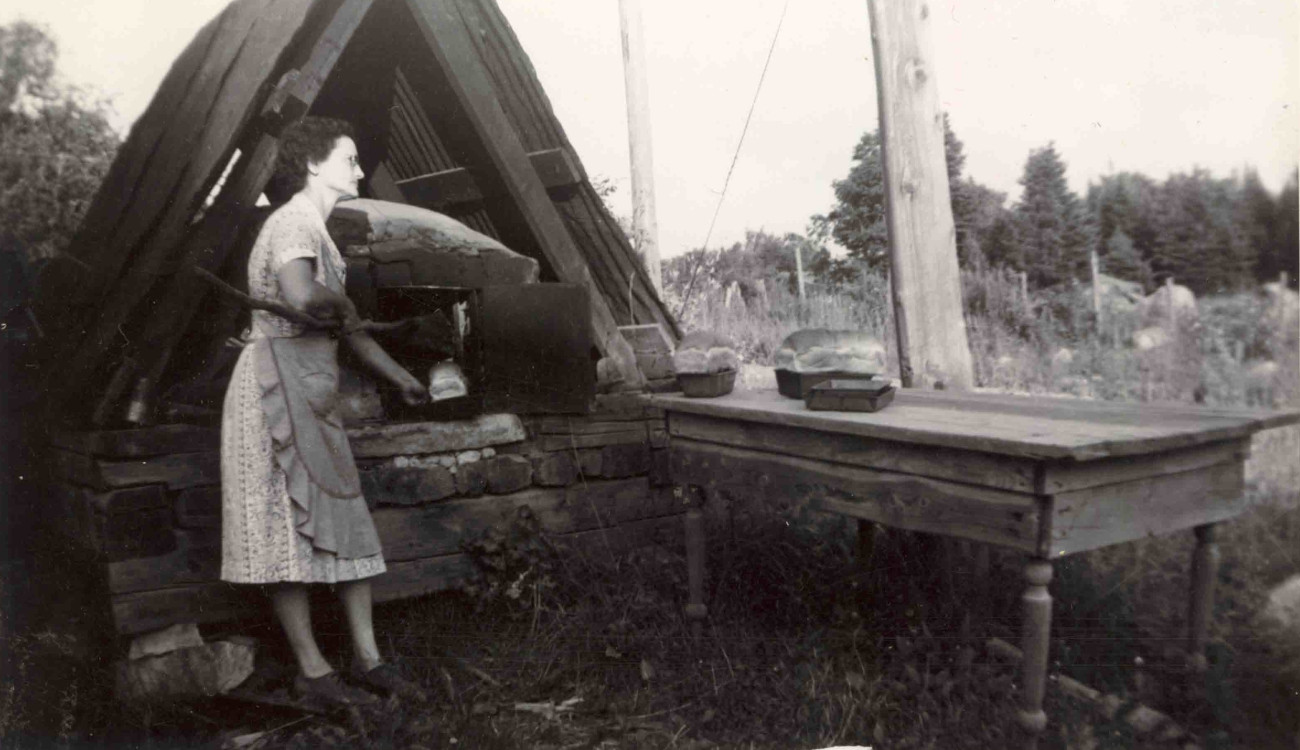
x=1025, y=426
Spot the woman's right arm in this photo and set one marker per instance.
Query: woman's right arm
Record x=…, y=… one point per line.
x=301, y=290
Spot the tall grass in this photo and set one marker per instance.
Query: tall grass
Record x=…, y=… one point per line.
x=1122, y=603
x=803, y=646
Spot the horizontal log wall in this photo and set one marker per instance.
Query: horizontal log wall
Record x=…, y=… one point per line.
x=145, y=505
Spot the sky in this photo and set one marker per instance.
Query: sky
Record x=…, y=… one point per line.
x=1157, y=87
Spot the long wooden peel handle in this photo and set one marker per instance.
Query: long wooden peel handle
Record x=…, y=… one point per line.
x=289, y=313
x=254, y=303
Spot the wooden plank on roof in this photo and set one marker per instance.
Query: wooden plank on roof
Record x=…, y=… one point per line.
x=433, y=191
x=209, y=244
x=606, y=249
x=502, y=156
x=402, y=92
x=185, y=121
x=197, y=146
x=60, y=305
x=123, y=179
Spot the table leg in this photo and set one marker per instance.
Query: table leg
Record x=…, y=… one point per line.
x=696, y=609
x=1205, y=569
x=866, y=544
x=1035, y=634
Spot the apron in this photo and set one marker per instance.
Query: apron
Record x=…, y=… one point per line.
x=299, y=380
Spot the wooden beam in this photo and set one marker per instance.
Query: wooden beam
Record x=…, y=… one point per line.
x=554, y=167
x=493, y=143
x=932, y=346
x=209, y=245
x=186, y=164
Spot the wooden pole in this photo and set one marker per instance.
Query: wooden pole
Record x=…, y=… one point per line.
x=644, y=225
x=798, y=266
x=1096, y=289
x=932, y=345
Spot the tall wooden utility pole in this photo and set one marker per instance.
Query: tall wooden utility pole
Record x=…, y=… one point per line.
x=932, y=346
x=644, y=226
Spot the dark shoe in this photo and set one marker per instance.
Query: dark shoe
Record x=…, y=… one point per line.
x=332, y=690
x=388, y=680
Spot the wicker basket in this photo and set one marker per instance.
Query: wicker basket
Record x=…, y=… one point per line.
x=707, y=385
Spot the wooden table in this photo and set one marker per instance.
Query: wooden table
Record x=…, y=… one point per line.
x=1044, y=475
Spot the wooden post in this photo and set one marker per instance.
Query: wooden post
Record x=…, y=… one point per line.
x=798, y=266
x=1205, y=568
x=693, y=526
x=644, y=225
x=1169, y=304
x=1096, y=289
x=932, y=344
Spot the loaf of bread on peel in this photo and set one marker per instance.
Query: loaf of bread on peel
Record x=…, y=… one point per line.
x=704, y=352
x=446, y=381
x=823, y=350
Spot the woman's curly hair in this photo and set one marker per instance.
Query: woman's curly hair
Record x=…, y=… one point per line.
x=308, y=141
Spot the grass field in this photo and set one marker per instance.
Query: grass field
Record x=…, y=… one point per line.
x=804, y=648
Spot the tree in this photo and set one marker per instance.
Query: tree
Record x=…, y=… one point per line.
x=1202, y=242
x=858, y=219
x=1122, y=260
x=55, y=147
x=982, y=219
x=1282, y=255
x=1126, y=202
x=1271, y=227
x=1051, y=224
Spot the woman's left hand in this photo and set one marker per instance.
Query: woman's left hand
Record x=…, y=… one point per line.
x=413, y=391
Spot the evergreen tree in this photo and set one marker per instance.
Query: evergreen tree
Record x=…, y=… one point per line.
x=858, y=219
x=1285, y=245
x=1257, y=214
x=1202, y=242
x=1052, y=226
x=1280, y=250
x=983, y=222
x=1126, y=202
x=1122, y=260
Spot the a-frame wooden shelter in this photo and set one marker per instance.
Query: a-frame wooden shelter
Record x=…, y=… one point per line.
x=450, y=116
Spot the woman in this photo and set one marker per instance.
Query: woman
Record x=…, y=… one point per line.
x=292, y=508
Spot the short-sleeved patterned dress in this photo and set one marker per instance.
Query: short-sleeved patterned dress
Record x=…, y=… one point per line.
x=269, y=492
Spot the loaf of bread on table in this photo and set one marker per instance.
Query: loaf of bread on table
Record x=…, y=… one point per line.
x=704, y=352
x=823, y=350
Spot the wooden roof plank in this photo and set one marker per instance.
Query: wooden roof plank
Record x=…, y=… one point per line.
x=439, y=189
x=172, y=318
x=191, y=153
x=421, y=126
x=167, y=164
x=443, y=31
x=119, y=186
x=207, y=245
x=609, y=245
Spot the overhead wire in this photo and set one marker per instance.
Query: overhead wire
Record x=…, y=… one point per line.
x=686, y=298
